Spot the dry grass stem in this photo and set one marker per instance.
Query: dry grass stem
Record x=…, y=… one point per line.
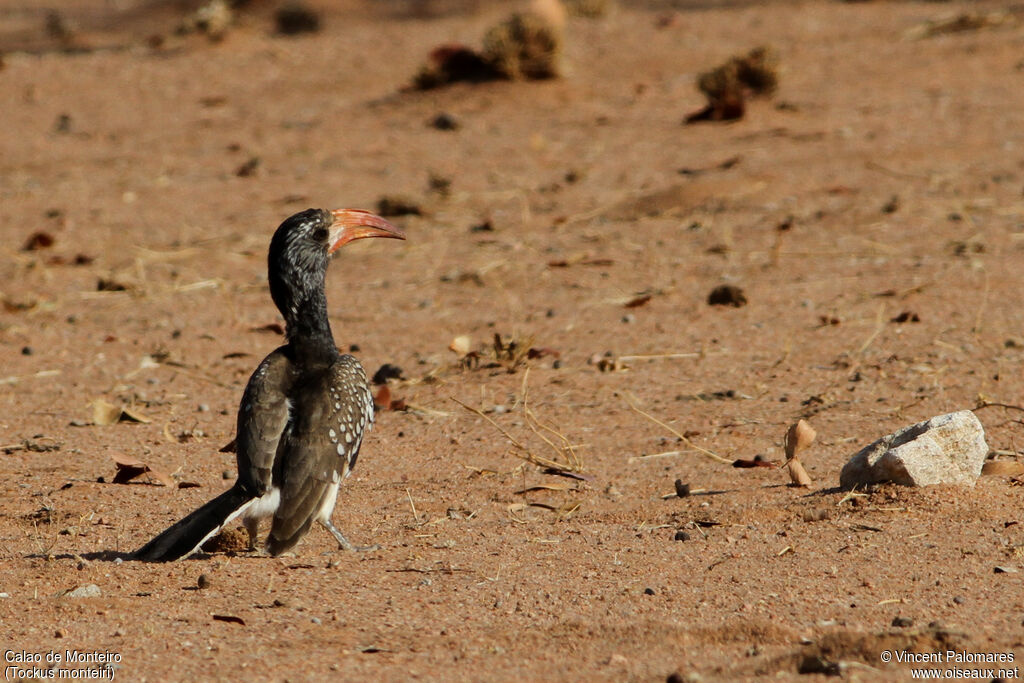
x=659, y=356
x=528, y=456
x=714, y=456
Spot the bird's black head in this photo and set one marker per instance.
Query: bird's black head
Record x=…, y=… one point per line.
x=300, y=251
x=298, y=257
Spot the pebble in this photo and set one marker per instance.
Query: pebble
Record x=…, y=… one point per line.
x=60, y=633
x=902, y=622
x=682, y=536
x=648, y=591
x=959, y=599
x=89, y=591
x=203, y=581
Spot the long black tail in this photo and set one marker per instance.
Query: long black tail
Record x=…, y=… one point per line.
x=184, y=537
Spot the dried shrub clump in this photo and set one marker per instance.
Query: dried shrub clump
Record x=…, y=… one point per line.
x=527, y=45
x=728, y=86
x=588, y=9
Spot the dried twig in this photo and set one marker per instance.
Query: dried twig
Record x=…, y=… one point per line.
x=529, y=455
x=677, y=433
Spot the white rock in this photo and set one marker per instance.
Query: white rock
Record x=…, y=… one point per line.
x=948, y=449
x=89, y=591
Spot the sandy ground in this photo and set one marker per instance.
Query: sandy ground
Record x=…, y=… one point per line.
x=884, y=177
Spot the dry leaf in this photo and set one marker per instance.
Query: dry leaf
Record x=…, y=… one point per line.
x=638, y=301
x=797, y=473
x=798, y=437
x=747, y=464
x=461, y=345
x=132, y=415
x=544, y=487
x=229, y=618
x=104, y=413
x=382, y=401
x=129, y=468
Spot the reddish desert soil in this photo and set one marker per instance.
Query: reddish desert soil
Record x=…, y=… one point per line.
x=884, y=177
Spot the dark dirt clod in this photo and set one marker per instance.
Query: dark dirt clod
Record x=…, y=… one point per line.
x=902, y=622
x=294, y=18
x=445, y=121
x=395, y=205
x=228, y=541
x=814, y=664
x=906, y=317
x=682, y=490
x=386, y=372
x=682, y=536
x=452, y=64
x=203, y=581
x=727, y=87
x=38, y=240
x=727, y=295
x=249, y=168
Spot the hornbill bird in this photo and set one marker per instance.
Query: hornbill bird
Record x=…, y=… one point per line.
x=305, y=409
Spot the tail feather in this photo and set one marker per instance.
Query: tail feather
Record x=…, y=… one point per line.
x=184, y=537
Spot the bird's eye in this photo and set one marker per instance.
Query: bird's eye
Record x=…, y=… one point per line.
x=320, y=234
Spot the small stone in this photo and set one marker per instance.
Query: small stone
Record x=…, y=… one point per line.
x=629, y=318
x=203, y=581
x=445, y=121
x=4, y=595
x=226, y=474
x=316, y=620
x=815, y=664
x=89, y=591
x=203, y=408
x=60, y=633
x=280, y=603
x=727, y=295
x=682, y=536
x=648, y=591
x=816, y=515
x=902, y=622
x=682, y=490
x=948, y=449
x=26, y=350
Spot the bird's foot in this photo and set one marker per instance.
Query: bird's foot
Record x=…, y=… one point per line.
x=344, y=543
x=360, y=548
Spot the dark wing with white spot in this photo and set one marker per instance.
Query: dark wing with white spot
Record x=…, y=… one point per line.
x=263, y=417
x=332, y=411
x=353, y=416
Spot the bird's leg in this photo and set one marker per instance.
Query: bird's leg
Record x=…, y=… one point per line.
x=252, y=526
x=343, y=542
